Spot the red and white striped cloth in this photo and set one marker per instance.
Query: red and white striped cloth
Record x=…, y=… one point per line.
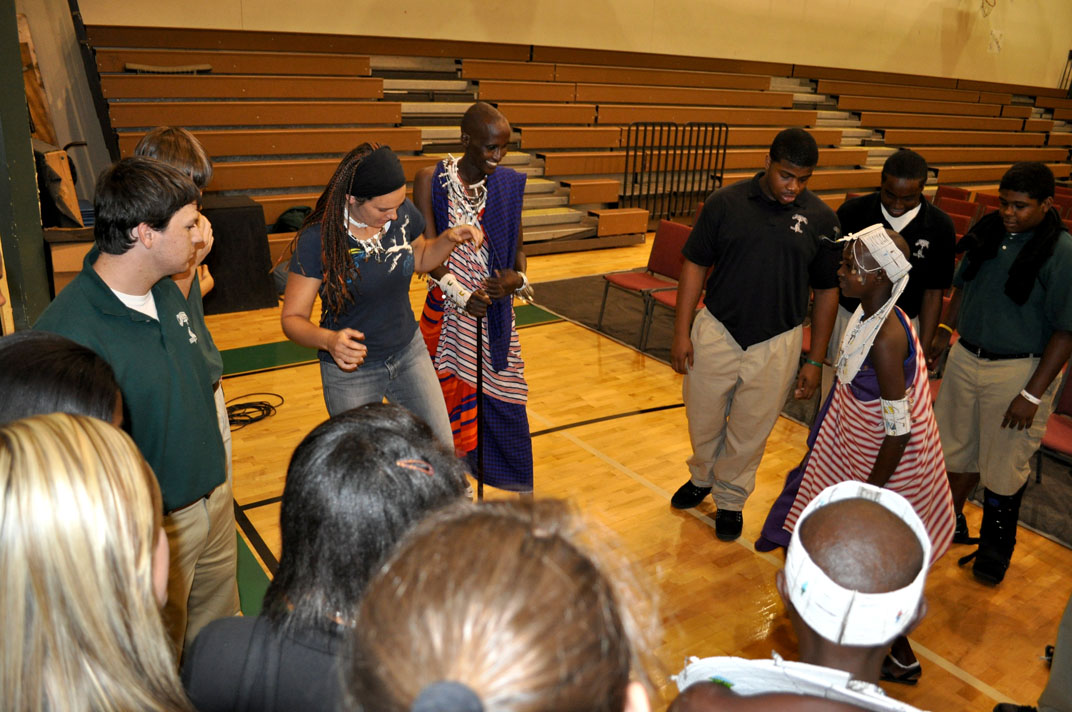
x=456, y=350
x=848, y=442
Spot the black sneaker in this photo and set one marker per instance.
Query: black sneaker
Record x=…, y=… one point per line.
x=688, y=496
x=961, y=534
x=1010, y=707
x=728, y=524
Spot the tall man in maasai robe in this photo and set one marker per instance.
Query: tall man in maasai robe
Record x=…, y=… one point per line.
x=480, y=283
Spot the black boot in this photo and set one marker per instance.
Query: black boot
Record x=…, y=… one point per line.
x=997, y=536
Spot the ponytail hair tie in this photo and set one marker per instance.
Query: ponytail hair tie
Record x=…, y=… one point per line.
x=415, y=463
x=447, y=696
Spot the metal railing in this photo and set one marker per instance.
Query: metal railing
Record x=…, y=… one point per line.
x=670, y=167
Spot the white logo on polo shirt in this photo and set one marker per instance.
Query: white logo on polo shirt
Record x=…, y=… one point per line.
x=921, y=245
x=798, y=220
x=185, y=321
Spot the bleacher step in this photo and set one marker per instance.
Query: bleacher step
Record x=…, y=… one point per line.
x=514, y=159
x=793, y=84
x=436, y=108
x=540, y=185
x=429, y=97
x=412, y=64
x=837, y=123
x=550, y=216
x=440, y=134
x=425, y=85
x=540, y=200
x=542, y=233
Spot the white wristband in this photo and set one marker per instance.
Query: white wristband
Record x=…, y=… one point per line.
x=896, y=417
x=1029, y=398
x=453, y=290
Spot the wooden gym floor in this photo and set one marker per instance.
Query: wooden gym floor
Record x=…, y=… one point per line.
x=609, y=434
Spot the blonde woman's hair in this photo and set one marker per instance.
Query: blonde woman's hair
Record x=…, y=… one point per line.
x=79, y=515
x=509, y=600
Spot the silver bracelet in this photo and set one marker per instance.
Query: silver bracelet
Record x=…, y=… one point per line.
x=525, y=290
x=1029, y=398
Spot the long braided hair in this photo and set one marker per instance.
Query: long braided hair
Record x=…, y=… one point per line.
x=338, y=265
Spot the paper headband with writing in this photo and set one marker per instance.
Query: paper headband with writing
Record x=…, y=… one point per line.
x=850, y=617
x=883, y=250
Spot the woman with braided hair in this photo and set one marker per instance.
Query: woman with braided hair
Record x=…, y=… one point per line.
x=358, y=250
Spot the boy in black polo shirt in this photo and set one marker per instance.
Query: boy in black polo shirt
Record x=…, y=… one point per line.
x=769, y=240
x=930, y=235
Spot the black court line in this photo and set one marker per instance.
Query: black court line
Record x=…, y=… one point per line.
x=260, y=503
x=580, y=423
x=273, y=500
x=270, y=562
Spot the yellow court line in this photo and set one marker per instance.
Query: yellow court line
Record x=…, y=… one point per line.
x=921, y=650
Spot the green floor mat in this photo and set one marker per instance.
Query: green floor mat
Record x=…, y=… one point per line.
x=252, y=581
x=530, y=315
x=265, y=356
x=286, y=353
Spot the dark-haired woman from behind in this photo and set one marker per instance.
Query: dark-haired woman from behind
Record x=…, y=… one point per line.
x=354, y=486
x=358, y=250
x=43, y=373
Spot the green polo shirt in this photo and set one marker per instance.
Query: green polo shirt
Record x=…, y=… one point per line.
x=167, y=392
x=989, y=319
x=212, y=355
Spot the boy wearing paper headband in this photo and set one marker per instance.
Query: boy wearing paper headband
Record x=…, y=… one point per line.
x=876, y=425
x=853, y=581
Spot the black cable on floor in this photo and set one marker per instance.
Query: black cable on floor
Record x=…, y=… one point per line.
x=242, y=414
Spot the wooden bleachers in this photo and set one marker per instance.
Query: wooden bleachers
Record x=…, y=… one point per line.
x=921, y=137
x=901, y=91
x=626, y=94
x=581, y=73
x=975, y=154
x=571, y=137
x=251, y=86
x=528, y=113
x=917, y=106
x=871, y=77
x=276, y=110
x=624, y=114
x=224, y=62
x=274, y=142
x=135, y=114
x=507, y=71
x=890, y=120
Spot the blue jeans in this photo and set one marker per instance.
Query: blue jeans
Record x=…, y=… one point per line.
x=406, y=378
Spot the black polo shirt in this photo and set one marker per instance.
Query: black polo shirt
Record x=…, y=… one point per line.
x=766, y=256
x=931, y=239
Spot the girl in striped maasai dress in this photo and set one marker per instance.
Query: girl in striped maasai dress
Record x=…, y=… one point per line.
x=877, y=424
x=478, y=279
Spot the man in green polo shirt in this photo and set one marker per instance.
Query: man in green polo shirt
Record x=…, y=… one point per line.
x=1012, y=305
x=124, y=306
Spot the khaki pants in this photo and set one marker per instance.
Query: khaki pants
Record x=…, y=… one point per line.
x=204, y=558
x=732, y=400
x=971, y=404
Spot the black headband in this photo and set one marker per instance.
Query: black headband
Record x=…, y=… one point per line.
x=379, y=173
